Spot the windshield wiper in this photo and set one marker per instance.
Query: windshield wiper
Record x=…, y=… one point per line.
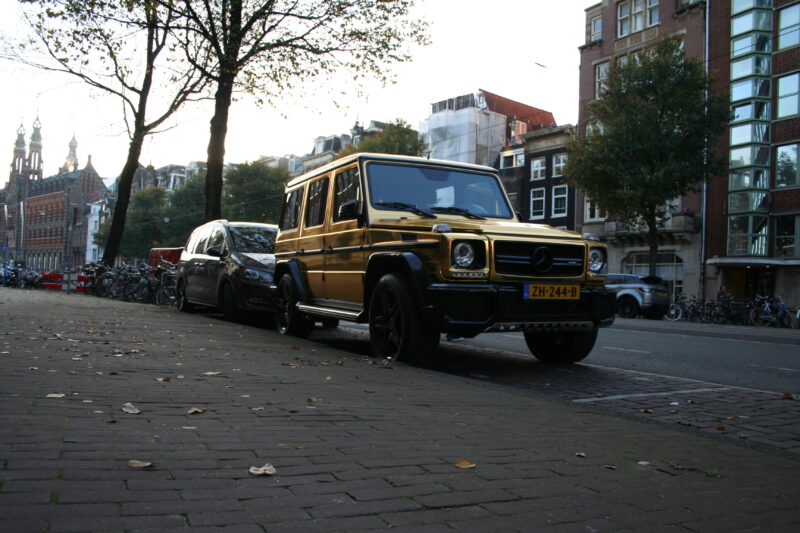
x=407, y=207
x=457, y=211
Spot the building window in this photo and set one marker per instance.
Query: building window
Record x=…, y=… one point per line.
x=751, y=42
x=749, y=155
x=559, y=162
x=750, y=178
x=512, y=159
x=748, y=133
x=788, y=95
x=652, y=12
x=751, y=111
x=759, y=87
x=742, y=5
x=537, y=169
x=750, y=66
x=595, y=29
x=560, y=201
x=786, y=168
x=752, y=21
x=623, y=19
x=789, y=27
x=593, y=213
x=787, y=234
x=600, y=75
x=537, y=204
x=747, y=235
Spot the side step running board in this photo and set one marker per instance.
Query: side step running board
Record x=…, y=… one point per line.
x=329, y=312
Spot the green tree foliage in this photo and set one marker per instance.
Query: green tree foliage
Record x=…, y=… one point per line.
x=145, y=224
x=253, y=192
x=397, y=138
x=184, y=211
x=115, y=46
x=266, y=48
x=648, y=136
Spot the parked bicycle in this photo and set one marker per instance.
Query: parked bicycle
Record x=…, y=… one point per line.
x=773, y=312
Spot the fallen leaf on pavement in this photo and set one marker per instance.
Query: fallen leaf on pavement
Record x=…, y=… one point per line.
x=266, y=470
x=580, y=454
x=162, y=380
x=139, y=464
x=195, y=411
x=256, y=408
x=647, y=411
x=464, y=464
x=56, y=395
x=129, y=408
x=369, y=390
x=720, y=428
x=788, y=396
x=212, y=373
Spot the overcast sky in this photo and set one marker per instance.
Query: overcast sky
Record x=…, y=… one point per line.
x=526, y=50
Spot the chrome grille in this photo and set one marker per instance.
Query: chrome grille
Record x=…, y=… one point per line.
x=538, y=259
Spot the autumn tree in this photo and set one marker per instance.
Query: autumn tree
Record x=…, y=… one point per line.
x=647, y=137
x=268, y=48
x=398, y=138
x=121, y=47
x=145, y=223
x=253, y=192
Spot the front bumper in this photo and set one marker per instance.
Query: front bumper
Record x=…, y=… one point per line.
x=470, y=310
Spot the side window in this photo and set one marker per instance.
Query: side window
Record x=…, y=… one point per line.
x=217, y=238
x=200, y=240
x=317, y=201
x=345, y=190
x=290, y=215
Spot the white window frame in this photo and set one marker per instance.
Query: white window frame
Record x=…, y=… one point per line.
x=538, y=199
x=788, y=95
x=600, y=75
x=636, y=15
x=788, y=29
x=555, y=195
x=538, y=169
x=592, y=213
x=559, y=162
x=595, y=29
x=624, y=20
x=653, y=17
x=517, y=158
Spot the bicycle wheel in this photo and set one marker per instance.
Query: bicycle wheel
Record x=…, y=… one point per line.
x=674, y=313
x=760, y=317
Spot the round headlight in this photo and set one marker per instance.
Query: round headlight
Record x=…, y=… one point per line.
x=463, y=255
x=597, y=260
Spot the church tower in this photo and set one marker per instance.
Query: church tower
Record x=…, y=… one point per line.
x=35, y=165
x=18, y=164
x=71, y=164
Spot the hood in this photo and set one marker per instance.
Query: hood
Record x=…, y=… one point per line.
x=266, y=261
x=481, y=227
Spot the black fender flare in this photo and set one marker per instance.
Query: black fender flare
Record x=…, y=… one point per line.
x=295, y=270
x=407, y=263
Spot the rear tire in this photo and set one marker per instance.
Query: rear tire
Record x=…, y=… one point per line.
x=288, y=320
x=627, y=307
x=561, y=347
x=396, y=330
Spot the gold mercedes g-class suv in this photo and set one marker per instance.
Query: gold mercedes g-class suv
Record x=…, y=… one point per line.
x=417, y=247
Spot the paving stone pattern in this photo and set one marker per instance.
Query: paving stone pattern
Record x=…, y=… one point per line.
x=357, y=447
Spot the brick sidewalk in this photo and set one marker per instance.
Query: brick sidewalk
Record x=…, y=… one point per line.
x=357, y=447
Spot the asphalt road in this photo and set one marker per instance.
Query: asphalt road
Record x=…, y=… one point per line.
x=755, y=364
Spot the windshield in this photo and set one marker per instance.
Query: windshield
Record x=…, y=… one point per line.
x=253, y=239
x=429, y=191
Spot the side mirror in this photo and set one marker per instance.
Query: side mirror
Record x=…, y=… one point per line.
x=216, y=251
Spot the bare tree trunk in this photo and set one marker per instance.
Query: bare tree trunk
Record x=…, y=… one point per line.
x=216, y=148
x=123, y=199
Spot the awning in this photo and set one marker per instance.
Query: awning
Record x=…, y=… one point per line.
x=744, y=262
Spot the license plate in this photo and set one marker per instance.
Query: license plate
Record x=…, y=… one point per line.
x=535, y=291
x=661, y=293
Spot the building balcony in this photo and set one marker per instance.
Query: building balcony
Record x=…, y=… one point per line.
x=680, y=228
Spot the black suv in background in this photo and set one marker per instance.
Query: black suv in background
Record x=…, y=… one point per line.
x=230, y=266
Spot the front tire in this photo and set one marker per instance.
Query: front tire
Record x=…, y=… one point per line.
x=396, y=330
x=288, y=320
x=180, y=298
x=229, y=310
x=560, y=347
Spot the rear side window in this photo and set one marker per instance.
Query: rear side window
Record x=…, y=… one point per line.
x=317, y=201
x=217, y=239
x=198, y=240
x=345, y=190
x=290, y=215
